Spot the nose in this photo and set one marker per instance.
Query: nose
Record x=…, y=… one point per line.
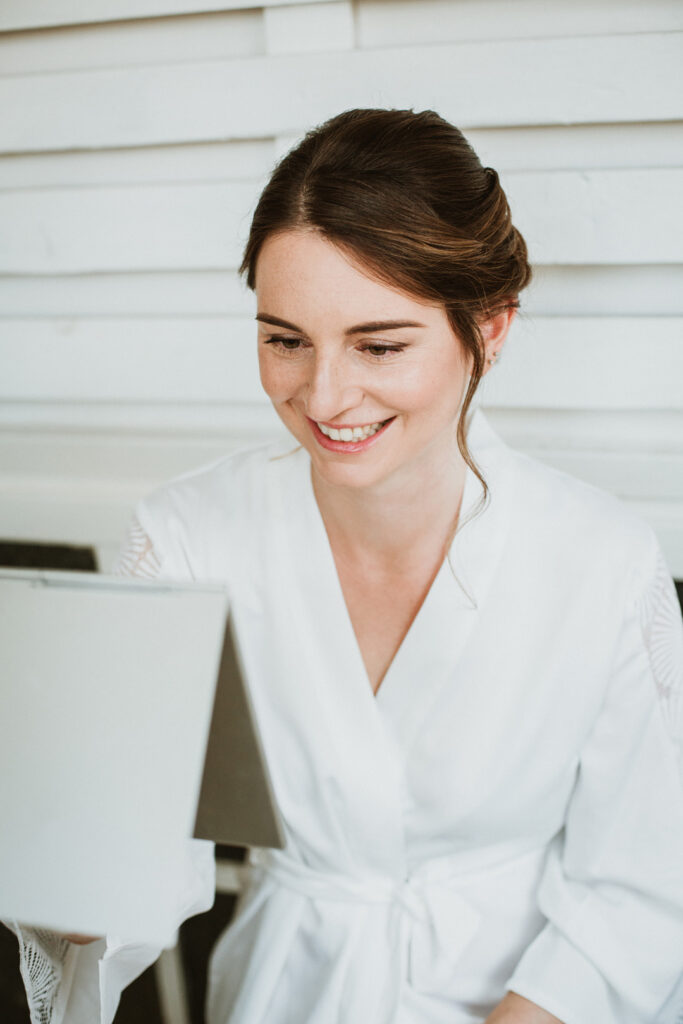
x=332, y=388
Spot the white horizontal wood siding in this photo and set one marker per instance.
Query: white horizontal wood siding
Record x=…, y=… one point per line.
x=135, y=136
x=550, y=362
x=32, y=14
x=567, y=217
x=633, y=77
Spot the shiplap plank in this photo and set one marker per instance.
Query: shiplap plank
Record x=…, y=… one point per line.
x=400, y=22
x=109, y=455
x=248, y=421
x=199, y=293
x=639, y=431
x=567, y=217
x=636, y=290
x=629, y=216
x=580, y=147
x=212, y=359
x=579, y=80
x=590, y=363
x=306, y=28
x=210, y=161
x=213, y=36
x=552, y=362
x=32, y=14
x=138, y=227
x=655, y=290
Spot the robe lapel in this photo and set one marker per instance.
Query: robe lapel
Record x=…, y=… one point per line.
x=428, y=657
x=325, y=686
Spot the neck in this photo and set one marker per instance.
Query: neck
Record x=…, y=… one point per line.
x=399, y=523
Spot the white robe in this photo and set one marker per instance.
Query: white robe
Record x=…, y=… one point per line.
x=506, y=812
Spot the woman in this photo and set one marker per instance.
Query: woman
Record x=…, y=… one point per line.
x=467, y=666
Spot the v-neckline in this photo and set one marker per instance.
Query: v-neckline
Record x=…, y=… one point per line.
x=437, y=585
x=430, y=652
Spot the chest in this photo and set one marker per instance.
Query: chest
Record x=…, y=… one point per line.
x=382, y=607
x=471, y=737
x=482, y=680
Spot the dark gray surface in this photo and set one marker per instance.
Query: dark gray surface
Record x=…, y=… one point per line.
x=236, y=802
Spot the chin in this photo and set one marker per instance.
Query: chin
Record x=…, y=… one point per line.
x=346, y=474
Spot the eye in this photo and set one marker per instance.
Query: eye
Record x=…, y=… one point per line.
x=381, y=351
x=284, y=343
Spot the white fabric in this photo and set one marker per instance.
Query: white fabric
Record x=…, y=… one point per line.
x=507, y=812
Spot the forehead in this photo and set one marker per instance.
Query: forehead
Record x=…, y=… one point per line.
x=300, y=273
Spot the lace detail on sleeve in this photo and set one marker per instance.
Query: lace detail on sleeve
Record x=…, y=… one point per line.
x=137, y=556
x=42, y=955
x=662, y=627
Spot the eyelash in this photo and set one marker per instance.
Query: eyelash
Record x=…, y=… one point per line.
x=277, y=341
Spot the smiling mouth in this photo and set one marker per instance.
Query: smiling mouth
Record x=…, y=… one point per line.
x=349, y=439
x=350, y=434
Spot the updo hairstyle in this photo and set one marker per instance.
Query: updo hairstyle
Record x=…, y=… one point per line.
x=406, y=196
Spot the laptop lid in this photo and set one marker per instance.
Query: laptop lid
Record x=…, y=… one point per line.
x=108, y=688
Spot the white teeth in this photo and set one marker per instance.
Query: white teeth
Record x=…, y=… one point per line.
x=350, y=433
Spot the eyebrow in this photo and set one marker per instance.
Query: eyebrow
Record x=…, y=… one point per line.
x=369, y=328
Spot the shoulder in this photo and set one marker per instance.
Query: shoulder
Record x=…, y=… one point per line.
x=198, y=520
x=565, y=510
x=573, y=525
x=225, y=482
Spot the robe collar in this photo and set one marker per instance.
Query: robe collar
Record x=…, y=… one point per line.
x=428, y=656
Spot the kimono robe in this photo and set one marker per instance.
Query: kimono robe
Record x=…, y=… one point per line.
x=506, y=812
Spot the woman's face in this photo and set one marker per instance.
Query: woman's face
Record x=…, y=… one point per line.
x=368, y=379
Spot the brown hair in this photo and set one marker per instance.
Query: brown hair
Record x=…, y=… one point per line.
x=406, y=195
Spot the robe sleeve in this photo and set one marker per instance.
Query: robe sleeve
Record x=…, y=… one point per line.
x=612, y=888
x=70, y=984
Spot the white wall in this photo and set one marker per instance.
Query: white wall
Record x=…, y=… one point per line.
x=135, y=136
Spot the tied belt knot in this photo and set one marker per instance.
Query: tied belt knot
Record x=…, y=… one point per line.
x=436, y=921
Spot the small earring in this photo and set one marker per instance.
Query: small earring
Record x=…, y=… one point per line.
x=492, y=358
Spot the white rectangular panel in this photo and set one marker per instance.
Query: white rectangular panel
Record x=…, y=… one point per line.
x=241, y=160
x=20, y=14
x=107, y=697
x=209, y=359
x=218, y=36
x=590, y=363
x=401, y=22
x=245, y=98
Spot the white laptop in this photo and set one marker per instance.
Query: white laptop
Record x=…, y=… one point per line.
x=107, y=689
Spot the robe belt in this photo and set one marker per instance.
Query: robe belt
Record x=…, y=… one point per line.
x=437, y=921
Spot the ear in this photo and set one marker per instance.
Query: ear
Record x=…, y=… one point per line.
x=494, y=331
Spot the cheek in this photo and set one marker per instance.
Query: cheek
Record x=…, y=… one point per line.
x=279, y=380
x=431, y=391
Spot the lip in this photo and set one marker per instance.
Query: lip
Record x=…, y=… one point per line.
x=347, y=447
